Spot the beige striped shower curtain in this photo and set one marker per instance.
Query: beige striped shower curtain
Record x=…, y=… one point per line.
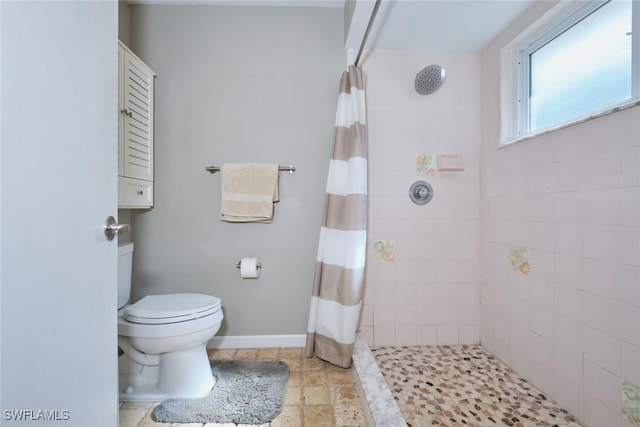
x=340, y=262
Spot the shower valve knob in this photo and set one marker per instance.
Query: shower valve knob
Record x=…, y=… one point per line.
x=421, y=192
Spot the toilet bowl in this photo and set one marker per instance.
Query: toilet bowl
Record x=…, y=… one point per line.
x=162, y=341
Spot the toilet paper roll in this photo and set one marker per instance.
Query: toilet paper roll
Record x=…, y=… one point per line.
x=250, y=268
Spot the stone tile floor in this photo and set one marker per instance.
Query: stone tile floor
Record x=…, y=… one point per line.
x=463, y=386
x=318, y=394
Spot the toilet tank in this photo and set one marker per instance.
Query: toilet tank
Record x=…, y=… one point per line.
x=125, y=264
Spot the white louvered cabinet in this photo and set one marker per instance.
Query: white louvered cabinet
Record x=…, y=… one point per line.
x=135, y=131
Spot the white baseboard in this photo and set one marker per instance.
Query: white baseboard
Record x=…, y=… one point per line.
x=257, y=341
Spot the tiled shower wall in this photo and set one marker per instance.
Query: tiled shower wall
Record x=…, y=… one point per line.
x=556, y=245
x=570, y=321
x=423, y=272
x=561, y=257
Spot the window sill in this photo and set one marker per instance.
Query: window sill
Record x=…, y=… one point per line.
x=612, y=110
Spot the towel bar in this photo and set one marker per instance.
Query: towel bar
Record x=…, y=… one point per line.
x=290, y=169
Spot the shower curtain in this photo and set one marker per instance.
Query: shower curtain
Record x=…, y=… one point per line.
x=340, y=261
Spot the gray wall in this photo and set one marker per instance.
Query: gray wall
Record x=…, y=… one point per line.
x=237, y=84
x=123, y=21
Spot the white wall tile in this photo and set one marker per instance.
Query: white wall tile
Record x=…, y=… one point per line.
x=602, y=242
x=520, y=361
x=542, y=293
x=569, y=396
x=447, y=335
x=519, y=336
x=469, y=315
x=631, y=246
x=602, y=350
x=542, y=263
x=366, y=315
x=384, y=336
x=542, y=322
x=367, y=333
x=384, y=315
x=630, y=206
x=568, y=365
x=427, y=335
x=384, y=293
x=602, y=385
x=598, y=414
x=448, y=293
x=602, y=277
x=405, y=314
x=630, y=128
x=568, y=207
x=426, y=293
x=630, y=171
x=406, y=335
x=469, y=335
x=567, y=176
x=630, y=328
x=602, y=313
x=629, y=284
x=568, y=270
x=542, y=236
x=543, y=378
x=468, y=270
x=569, y=239
x=630, y=362
x=405, y=293
x=447, y=314
x=541, y=351
x=602, y=170
x=468, y=294
x=427, y=314
x=568, y=334
x=603, y=206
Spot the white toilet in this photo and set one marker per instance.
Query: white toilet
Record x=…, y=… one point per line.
x=163, y=341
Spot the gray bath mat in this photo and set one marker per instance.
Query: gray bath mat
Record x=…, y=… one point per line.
x=247, y=392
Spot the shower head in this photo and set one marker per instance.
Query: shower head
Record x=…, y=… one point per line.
x=429, y=79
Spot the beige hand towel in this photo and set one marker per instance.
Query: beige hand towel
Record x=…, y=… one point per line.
x=248, y=192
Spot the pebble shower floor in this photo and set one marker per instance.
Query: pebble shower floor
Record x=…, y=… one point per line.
x=463, y=386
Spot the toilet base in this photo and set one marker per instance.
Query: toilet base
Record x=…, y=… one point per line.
x=180, y=374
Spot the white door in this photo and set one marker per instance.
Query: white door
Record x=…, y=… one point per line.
x=58, y=357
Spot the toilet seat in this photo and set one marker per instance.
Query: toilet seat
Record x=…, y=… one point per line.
x=171, y=308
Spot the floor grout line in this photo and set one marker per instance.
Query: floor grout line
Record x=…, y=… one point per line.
x=318, y=393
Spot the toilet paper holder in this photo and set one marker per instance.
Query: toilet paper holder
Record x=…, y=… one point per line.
x=238, y=265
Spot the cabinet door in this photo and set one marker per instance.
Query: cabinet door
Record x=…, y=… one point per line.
x=137, y=98
x=121, y=110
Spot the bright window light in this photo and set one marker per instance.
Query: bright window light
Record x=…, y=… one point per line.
x=580, y=67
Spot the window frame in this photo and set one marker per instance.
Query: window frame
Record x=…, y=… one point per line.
x=546, y=29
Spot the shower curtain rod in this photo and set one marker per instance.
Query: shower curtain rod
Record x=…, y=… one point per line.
x=366, y=33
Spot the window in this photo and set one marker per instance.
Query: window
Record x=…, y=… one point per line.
x=583, y=65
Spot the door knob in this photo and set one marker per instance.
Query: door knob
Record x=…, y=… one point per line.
x=112, y=228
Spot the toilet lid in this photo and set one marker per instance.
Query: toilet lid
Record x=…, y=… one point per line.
x=171, y=308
